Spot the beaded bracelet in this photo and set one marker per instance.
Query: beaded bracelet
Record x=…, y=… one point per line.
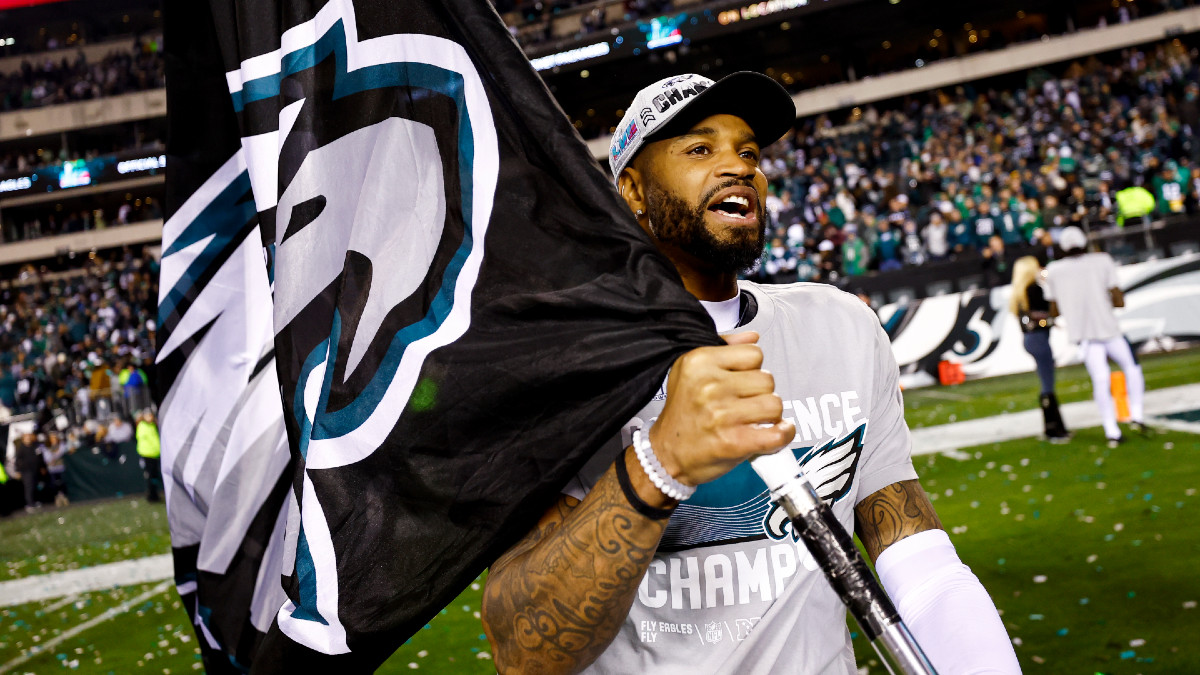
x=655, y=471
x=631, y=495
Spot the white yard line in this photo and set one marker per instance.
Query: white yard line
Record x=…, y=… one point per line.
x=62, y=602
x=934, y=392
x=57, y=584
x=107, y=615
x=1028, y=423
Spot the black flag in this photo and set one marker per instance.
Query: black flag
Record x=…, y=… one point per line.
x=464, y=309
x=225, y=456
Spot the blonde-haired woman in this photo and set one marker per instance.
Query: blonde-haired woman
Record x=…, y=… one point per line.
x=1030, y=306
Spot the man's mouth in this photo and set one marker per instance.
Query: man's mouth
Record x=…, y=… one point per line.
x=736, y=204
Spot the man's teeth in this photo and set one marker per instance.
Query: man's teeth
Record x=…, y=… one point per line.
x=741, y=204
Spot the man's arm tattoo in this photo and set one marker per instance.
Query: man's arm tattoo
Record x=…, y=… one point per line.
x=893, y=513
x=556, y=600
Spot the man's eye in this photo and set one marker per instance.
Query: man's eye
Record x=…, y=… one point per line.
x=750, y=154
x=699, y=150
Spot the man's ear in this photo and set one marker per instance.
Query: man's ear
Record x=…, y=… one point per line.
x=632, y=189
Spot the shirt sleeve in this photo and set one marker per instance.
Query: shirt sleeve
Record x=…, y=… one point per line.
x=887, y=457
x=1048, y=286
x=1110, y=271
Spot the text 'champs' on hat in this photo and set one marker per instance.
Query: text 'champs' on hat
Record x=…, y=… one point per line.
x=658, y=111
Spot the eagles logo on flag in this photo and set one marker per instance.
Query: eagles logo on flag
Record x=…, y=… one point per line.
x=463, y=309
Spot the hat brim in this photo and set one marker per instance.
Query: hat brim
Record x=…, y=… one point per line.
x=761, y=102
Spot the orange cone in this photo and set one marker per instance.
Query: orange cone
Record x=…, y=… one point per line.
x=1120, y=396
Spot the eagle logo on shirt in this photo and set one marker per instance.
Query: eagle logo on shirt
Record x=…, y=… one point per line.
x=833, y=467
x=737, y=507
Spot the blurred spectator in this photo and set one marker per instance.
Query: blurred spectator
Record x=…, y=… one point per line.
x=887, y=247
x=1044, y=248
x=149, y=449
x=119, y=431
x=854, y=253
x=1170, y=188
x=996, y=268
x=936, y=235
x=51, y=83
x=53, y=450
x=913, y=248
x=26, y=461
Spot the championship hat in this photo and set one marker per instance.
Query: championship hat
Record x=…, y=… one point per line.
x=1072, y=238
x=671, y=106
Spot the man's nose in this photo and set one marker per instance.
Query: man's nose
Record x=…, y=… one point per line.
x=733, y=165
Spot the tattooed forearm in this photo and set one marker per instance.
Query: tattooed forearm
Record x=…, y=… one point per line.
x=556, y=600
x=893, y=513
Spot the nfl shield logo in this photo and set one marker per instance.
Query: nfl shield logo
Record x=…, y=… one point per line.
x=713, y=632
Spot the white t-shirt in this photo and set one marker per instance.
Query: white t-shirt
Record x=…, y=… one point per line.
x=730, y=590
x=1080, y=285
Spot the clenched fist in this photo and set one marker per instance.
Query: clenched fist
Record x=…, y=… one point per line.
x=721, y=410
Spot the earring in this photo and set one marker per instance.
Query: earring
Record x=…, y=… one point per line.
x=640, y=213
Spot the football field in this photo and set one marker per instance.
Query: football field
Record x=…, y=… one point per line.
x=1088, y=552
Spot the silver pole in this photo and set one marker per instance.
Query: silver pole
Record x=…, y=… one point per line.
x=844, y=567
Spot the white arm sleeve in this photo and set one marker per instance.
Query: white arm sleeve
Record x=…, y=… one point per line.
x=946, y=608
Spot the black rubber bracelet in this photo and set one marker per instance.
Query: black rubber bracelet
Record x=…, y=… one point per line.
x=631, y=495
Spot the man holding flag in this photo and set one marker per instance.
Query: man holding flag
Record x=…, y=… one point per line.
x=664, y=554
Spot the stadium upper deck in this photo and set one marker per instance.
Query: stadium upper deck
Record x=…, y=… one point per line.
x=821, y=49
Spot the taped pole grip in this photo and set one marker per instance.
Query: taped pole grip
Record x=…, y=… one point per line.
x=831, y=547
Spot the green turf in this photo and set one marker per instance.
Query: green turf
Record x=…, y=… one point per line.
x=152, y=636
x=82, y=535
x=452, y=643
x=929, y=406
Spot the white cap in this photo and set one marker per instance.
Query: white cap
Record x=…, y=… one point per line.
x=765, y=106
x=1072, y=238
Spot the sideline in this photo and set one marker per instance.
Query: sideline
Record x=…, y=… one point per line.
x=97, y=578
x=1028, y=423
x=107, y=615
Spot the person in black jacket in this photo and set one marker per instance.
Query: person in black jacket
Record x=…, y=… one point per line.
x=1033, y=310
x=27, y=462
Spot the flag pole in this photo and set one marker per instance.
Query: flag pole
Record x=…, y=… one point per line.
x=831, y=546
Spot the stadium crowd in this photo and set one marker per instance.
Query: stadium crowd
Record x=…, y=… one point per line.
x=76, y=345
x=969, y=172
x=48, y=82
x=75, y=351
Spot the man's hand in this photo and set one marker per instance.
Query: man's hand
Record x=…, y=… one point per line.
x=721, y=410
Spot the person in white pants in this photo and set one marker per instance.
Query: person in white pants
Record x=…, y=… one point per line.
x=1082, y=288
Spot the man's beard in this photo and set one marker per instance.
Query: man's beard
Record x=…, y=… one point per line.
x=676, y=223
